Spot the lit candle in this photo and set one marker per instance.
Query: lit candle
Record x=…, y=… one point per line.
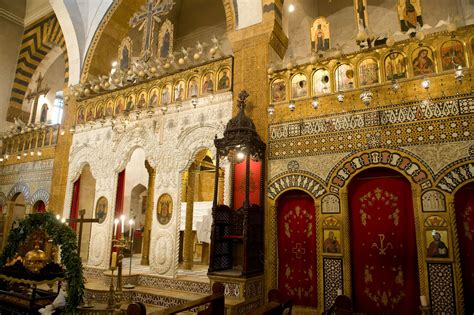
x=116, y=221
x=131, y=222
x=113, y=264
x=122, y=218
x=339, y=292
x=423, y=301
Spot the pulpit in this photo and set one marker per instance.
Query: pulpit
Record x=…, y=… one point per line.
x=237, y=229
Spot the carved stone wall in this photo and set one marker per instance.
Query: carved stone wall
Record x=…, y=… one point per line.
x=170, y=142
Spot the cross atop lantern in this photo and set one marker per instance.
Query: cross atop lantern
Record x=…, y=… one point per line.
x=237, y=230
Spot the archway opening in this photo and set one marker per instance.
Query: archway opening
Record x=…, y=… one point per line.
x=196, y=206
x=14, y=211
x=39, y=206
x=383, y=243
x=297, y=264
x=464, y=205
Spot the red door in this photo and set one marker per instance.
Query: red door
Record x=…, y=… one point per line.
x=297, y=247
x=464, y=203
x=383, y=246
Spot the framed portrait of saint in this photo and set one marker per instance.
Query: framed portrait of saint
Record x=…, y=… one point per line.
x=80, y=116
x=141, y=103
x=153, y=98
x=119, y=105
x=320, y=36
x=207, y=84
x=278, y=90
x=437, y=244
x=395, y=66
x=90, y=113
x=109, y=108
x=423, y=61
x=193, y=87
x=368, y=72
x=321, y=82
x=165, y=39
x=164, y=209
x=344, y=77
x=223, y=82
x=331, y=241
x=100, y=111
x=166, y=94
x=409, y=14
x=452, y=54
x=299, y=86
x=130, y=102
x=178, y=93
x=101, y=209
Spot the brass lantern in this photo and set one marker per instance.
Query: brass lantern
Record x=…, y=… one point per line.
x=35, y=259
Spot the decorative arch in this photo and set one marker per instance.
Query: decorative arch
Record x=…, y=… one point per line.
x=307, y=183
x=456, y=176
x=407, y=165
x=40, y=194
x=3, y=199
x=19, y=188
x=37, y=41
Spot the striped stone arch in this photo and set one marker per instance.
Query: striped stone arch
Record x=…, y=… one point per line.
x=19, y=188
x=456, y=176
x=40, y=194
x=37, y=41
x=295, y=180
x=3, y=199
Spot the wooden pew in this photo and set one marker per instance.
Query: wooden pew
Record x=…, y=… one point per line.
x=278, y=304
x=214, y=302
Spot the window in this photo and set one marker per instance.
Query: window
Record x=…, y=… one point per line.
x=58, y=109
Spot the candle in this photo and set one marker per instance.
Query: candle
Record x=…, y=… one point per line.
x=423, y=301
x=339, y=292
x=131, y=222
x=114, y=260
x=122, y=218
x=116, y=221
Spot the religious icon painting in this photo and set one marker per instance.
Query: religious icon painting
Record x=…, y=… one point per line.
x=395, y=66
x=100, y=111
x=193, y=87
x=207, y=84
x=178, y=93
x=164, y=209
x=361, y=14
x=80, y=116
x=299, y=86
x=101, y=209
x=165, y=39
x=344, y=77
x=278, y=90
x=153, y=98
x=119, y=105
x=141, y=103
x=90, y=113
x=423, y=61
x=452, y=54
x=409, y=14
x=130, y=102
x=223, y=82
x=368, y=72
x=321, y=83
x=320, y=36
x=125, y=53
x=437, y=244
x=166, y=94
x=109, y=108
x=332, y=241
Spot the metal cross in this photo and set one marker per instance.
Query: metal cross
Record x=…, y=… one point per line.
x=146, y=17
x=36, y=95
x=81, y=221
x=361, y=11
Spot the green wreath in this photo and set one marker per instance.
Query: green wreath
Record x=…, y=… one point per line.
x=62, y=235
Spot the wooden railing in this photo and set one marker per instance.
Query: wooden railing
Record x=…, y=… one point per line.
x=278, y=304
x=209, y=305
x=29, y=140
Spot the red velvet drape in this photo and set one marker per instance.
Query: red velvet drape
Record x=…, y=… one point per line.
x=254, y=183
x=383, y=245
x=119, y=199
x=464, y=203
x=75, y=203
x=40, y=206
x=297, y=268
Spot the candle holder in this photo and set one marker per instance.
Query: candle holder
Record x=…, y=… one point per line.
x=129, y=285
x=111, y=303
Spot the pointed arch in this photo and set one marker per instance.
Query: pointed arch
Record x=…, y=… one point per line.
x=20, y=187
x=40, y=194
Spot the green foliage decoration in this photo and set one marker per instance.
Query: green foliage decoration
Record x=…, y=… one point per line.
x=62, y=235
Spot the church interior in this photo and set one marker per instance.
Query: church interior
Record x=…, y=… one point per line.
x=237, y=157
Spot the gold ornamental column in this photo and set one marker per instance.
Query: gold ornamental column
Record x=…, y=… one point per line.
x=220, y=187
x=188, y=229
x=149, y=214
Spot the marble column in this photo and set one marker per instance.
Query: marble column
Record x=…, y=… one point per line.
x=149, y=214
x=188, y=229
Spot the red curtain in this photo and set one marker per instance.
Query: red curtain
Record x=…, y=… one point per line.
x=75, y=203
x=297, y=268
x=383, y=245
x=40, y=206
x=254, y=183
x=119, y=199
x=464, y=203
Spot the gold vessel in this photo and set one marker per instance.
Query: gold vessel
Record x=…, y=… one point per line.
x=35, y=259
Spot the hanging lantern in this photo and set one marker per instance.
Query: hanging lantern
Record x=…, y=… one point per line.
x=194, y=101
x=271, y=109
x=425, y=83
x=315, y=103
x=366, y=97
x=458, y=73
x=395, y=85
x=340, y=97
x=292, y=105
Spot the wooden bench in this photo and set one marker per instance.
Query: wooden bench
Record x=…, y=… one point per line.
x=209, y=305
x=278, y=304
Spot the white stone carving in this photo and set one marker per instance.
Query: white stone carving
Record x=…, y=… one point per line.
x=330, y=204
